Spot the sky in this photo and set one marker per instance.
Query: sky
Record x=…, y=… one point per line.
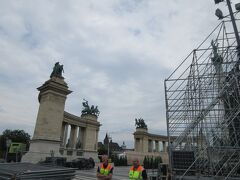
x=116, y=54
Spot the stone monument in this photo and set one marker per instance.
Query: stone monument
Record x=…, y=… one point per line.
x=48, y=128
x=57, y=132
x=147, y=144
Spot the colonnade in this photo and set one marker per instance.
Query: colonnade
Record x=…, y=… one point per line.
x=157, y=146
x=149, y=143
x=73, y=136
x=79, y=135
x=146, y=144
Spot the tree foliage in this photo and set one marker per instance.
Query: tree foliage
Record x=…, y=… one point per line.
x=119, y=161
x=19, y=136
x=102, y=150
x=151, y=162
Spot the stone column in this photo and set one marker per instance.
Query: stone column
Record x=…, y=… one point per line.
x=137, y=145
x=160, y=146
x=73, y=136
x=52, y=97
x=156, y=146
x=64, y=134
x=164, y=146
x=90, y=136
x=96, y=142
x=150, y=144
x=48, y=128
x=81, y=136
x=145, y=144
x=141, y=145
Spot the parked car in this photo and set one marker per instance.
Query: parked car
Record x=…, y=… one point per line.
x=81, y=163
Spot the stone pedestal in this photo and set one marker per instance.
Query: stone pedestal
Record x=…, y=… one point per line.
x=142, y=144
x=40, y=149
x=142, y=130
x=89, y=117
x=91, y=137
x=48, y=128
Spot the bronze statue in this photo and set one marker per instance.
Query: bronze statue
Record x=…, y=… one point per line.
x=95, y=111
x=139, y=123
x=57, y=70
x=87, y=110
x=216, y=59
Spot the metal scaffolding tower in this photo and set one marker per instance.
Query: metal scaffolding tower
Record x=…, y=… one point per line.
x=203, y=109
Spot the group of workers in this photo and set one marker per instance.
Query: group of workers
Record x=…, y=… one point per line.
x=136, y=172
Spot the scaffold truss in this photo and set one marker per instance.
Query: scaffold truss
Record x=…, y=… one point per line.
x=203, y=109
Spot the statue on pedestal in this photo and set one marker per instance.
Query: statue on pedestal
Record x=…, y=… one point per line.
x=87, y=110
x=57, y=70
x=216, y=59
x=139, y=123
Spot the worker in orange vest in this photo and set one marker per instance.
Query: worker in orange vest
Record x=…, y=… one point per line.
x=137, y=172
x=105, y=171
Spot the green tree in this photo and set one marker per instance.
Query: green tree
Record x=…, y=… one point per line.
x=151, y=162
x=122, y=161
x=2, y=147
x=145, y=163
x=155, y=163
x=19, y=136
x=102, y=150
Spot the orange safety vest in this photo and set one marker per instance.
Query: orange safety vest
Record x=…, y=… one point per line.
x=136, y=174
x=105, y=171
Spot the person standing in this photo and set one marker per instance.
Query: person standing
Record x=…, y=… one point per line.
x=105, y=171
x=137, y=172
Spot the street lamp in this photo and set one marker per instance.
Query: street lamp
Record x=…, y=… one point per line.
x=218, y=1
x=109, y=138
x=219, y=14
x=8, y=143
x=237, y=6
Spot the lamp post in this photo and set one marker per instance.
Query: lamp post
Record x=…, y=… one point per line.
x=233, y=23
x=8, y=143
x=109, y=138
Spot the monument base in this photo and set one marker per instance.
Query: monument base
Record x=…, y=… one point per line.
x=40, y=149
